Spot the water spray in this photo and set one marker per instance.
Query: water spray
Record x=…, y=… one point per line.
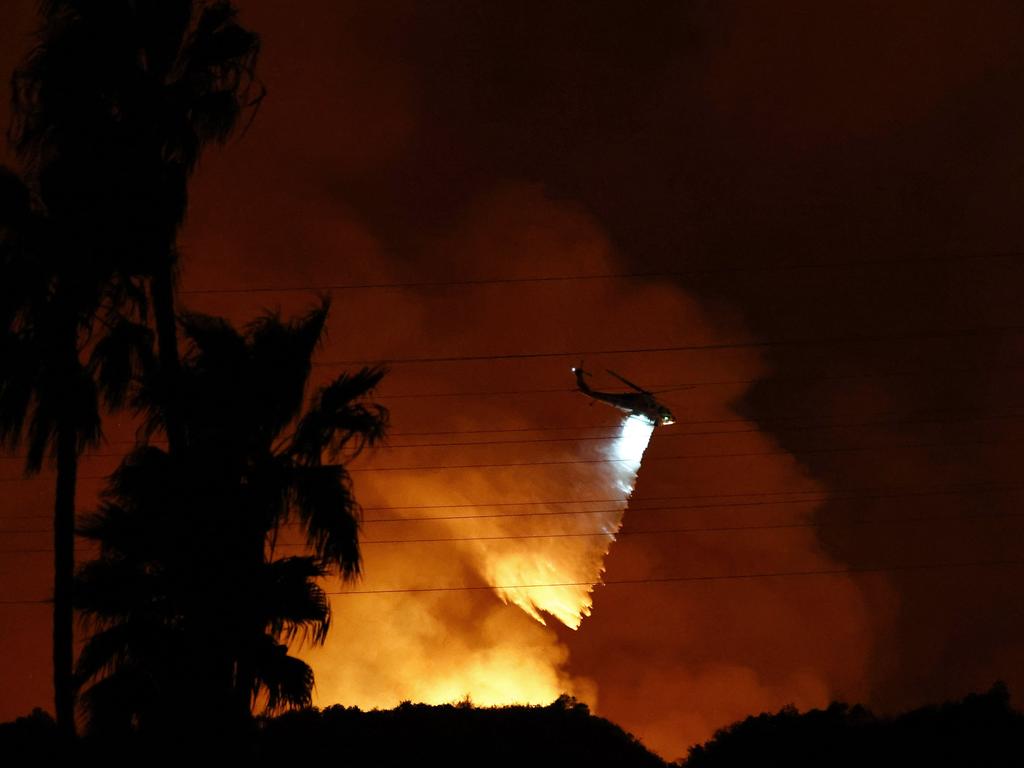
x=574, y=566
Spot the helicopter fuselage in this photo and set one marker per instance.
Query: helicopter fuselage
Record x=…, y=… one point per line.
x=639, y=404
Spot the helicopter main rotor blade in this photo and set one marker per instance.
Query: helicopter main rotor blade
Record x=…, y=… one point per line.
x=627, y=382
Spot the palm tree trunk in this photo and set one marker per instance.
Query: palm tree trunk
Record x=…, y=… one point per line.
x=64, y=571
x=170, y=365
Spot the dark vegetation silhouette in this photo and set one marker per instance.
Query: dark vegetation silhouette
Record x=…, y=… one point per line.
x=563, y=733
x=111, y=111
x=979, y=730
x=50, y=300
x=190, y=607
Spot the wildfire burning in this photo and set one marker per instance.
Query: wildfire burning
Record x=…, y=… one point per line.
x=498, y=656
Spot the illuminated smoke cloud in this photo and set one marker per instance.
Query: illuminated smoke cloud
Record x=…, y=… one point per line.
x=703, y=656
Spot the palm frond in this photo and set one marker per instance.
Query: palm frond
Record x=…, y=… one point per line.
x=113, y=703
x=121, y=359
x=338, y=419
x=105, y=650
x=145, y=481
x=294, y=605
x=17, y=387
x=116, y=588
x=323, y=504
x=214, y=343
x=281, y=356
x=218, y=71
x=286, y=680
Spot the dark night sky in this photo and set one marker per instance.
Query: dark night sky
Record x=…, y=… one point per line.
x=843, y=174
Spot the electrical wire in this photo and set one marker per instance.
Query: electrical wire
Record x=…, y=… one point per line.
x=690, y=456
x=853, y=570
x=919, y=261
x=717, y=346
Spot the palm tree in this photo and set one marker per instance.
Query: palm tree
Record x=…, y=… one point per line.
x=49, y=306
x=188, y=601
x=111, y=111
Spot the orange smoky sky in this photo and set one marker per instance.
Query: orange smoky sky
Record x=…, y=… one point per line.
x=834, y=189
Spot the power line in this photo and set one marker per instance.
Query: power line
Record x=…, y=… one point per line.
x=839, y=495
x=696, y=578
x=643, y=532
x=970, y=488
x=33, y=550
x=670, y=435
x=633, y=510
x=946, y=259
x=718, y=346
x=686, y=422
x=936, y=372
x=661, y=388
x=743, y=454
x=633, y=513
x=703, y=529
x=661, y=580
x=563, y=462
x=871, y=493
x=614, y=425
x=704, y=433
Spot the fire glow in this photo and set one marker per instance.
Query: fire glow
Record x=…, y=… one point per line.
x=573, y=573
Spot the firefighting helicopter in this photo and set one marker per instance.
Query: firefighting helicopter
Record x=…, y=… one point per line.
x=642, y=403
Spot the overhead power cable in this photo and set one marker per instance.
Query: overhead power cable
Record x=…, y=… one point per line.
x=696, y=578
x=939, y=373
x=650, y=275
x=716, y=346
x=635, y=507
x=670, y=435
x=663, y=579
x=887, y=521
x=681, y=457
x=632, y=513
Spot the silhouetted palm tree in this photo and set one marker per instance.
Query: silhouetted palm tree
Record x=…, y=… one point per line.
x=113, y=109
x=111, y=112
x=187, y=601
x=50, y=305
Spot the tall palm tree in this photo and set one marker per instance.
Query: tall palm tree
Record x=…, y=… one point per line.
x=188, y=600
x=50, y=303
x=111, y=111
x=113, y=108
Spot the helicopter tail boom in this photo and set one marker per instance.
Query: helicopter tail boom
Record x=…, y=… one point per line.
x=581, y=383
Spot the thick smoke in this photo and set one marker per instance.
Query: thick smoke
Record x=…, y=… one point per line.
x=670, y=663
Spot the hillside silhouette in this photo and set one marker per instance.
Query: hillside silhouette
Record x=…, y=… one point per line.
x=978, y=730
x=562, y=733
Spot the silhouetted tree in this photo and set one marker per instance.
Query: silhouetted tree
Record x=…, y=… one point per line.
x=50, y=304
x=981, y=729
x=563, y=733
x=111, y=110
x=190, y=608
